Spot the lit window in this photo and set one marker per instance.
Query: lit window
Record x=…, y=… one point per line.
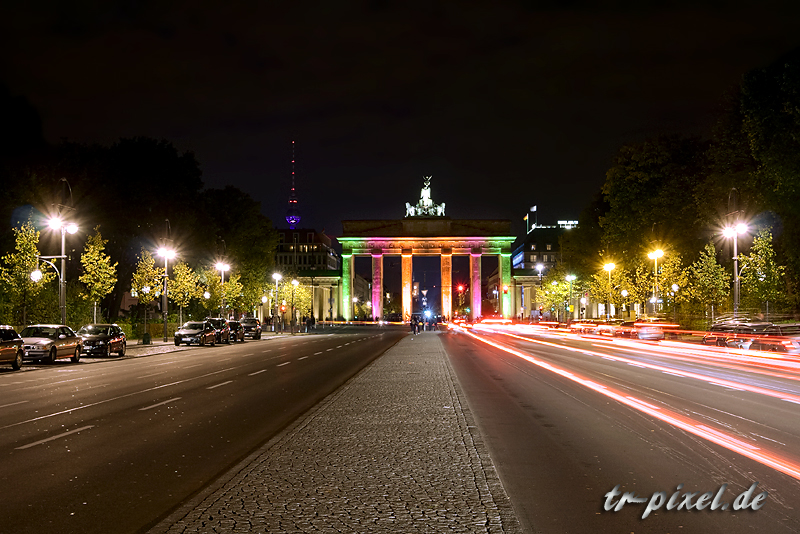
x=533, y=246
x=549, y=246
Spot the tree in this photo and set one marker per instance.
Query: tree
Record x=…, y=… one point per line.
x=603, y=292
x=212, y=281
x=99, y=275
x=184, y=286
x=146, y=280
x=673, y=273
x=15, y=273
x=649, y=191
x=709, y=282
x=234, y=298
x=762, y=279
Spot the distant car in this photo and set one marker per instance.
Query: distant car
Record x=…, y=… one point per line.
x=626, y=329
x=252, y=327
x=779, y=338
x=50, y=342
x=236, y=331
x=103, y=339
x=648, y=331
x=221, y=326
x=738, y=334
x=609, y=328
x=11, y=350
x=197, y=332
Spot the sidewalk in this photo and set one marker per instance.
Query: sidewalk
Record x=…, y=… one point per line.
x=394, y=450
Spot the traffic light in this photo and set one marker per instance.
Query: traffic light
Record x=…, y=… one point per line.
x=283, y=308
x=505, y=290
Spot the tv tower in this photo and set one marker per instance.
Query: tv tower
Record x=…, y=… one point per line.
x=293, y=214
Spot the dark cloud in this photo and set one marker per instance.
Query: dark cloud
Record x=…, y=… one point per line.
x=507, y=104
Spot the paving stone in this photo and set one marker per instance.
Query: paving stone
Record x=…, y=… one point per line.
x=393, y=450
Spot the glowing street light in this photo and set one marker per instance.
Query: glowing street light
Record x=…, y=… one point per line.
x=570, y=279
x=295, y=283
x=167, y=254
x=733, y=232
x=654, y=256
x=277, y=277
x=56, y=223
x=222, y=267
x=609, y=267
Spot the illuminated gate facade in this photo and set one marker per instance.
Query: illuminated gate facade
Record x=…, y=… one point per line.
x=426, y=231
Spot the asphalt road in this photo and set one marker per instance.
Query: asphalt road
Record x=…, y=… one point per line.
x=115, y=446
x=567, y=419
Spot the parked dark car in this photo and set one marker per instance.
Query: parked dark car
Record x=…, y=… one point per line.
x=103, y=339
x=221, y=326
x=779, y=338
x=252, y=327
x=11, y=350
x=50, y=342
x=236, y=331
x=197, y=332
x=738, y=334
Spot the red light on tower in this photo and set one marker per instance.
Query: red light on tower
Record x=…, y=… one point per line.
x=461, y=288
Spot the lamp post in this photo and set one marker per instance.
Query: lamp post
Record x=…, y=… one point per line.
x=733, y=232
x=57, y=224
x=167, y=254
x=675, y=289
x=355, y=299
x=654, y=256
x=222, y=267
x=264, y=300
x=570, y=279
x=295, y=283
x=624, y=294
x=609, y=267
x=276, y=277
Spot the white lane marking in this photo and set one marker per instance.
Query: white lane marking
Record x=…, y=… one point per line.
x=328, y=350
x=218, y=385
x=790, y=400
x=158, y=404
x=302, y=357
x=251, y=354
x=51, y=438
x=673, y=374
x=339, y=347
x=190, y=366
x=13, y=404
x=282, y=364
x=268, y=350
x=152, y=374
x=224, y=360
x=320, y=352
x=257, y=372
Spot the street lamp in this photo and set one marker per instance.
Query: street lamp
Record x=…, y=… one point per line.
x=624, y=294
x=609, y=267
x=675, y=289
x=355, y=299
x=57, y=224
x=222, y=267
x=167, y=254
x=295, y=283
x=733, y=232
x=276, y=277
x=570, y=279
x=654, y=256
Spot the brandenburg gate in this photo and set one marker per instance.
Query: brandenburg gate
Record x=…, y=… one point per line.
x=426, y=231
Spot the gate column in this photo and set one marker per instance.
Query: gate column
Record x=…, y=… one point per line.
x=377, y=284
x=407, y=266
x=475, y=284
x=447, y=283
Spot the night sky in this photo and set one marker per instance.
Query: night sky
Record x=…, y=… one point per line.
x=506, y=104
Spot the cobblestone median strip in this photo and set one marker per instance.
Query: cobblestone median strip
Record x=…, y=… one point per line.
x=394, y=450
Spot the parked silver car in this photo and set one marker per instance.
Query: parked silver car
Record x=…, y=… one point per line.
x=50, y=342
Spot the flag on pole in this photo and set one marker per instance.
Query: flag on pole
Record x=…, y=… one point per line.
x=525, y=218
x=533, y=208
